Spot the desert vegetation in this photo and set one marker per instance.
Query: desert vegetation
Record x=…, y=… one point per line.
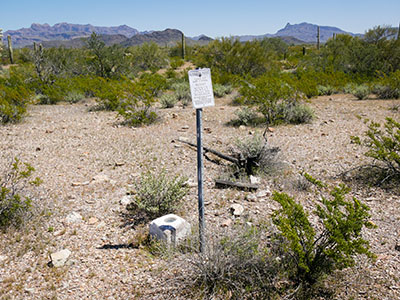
x=102, y=125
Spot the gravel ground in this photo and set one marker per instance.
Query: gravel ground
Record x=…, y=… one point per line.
x=88, y=162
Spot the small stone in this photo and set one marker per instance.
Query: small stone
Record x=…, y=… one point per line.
x=80, y=183
x=58, y=259
x=119, y=163
x=59, y=232
x=242, y=127
x=226, y=223
x=29, y=290
x=92, y=220
x=237, y=209
x=190, y=183
x=177, y=146
x=251, y=197
x=125, y=200
x=207, y=130
x=185, y=127
x=397, y=246
x=174, y=116
x=73, y=217
x=270, y=129
x=3, y=258
x=263, y=193
x=254, y=179
x=100, y=178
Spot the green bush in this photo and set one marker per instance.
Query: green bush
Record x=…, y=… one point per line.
x=245, y=116
x=361, y=92
x=254, y=155
x=182, y=92
x=388, y=87
x=315, y=250
x=168, y=100
x=74, y=97
x=383, y=145
x=294, y=112
x=325, y=90
x=157, y=195
x=15, y=203
x=14, y=96
x=221, y=90
x=269, y=94
x=234, y=265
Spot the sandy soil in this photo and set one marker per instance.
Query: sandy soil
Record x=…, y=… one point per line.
x=88, y=162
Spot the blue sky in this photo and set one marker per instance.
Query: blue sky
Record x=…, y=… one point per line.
x=194, y=17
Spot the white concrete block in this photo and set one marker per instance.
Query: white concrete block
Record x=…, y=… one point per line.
x=170, y=228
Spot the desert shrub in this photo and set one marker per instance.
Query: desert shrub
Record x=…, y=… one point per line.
x=245, y=116
x=221, y=90
x=349, y=88
x=74, y=96
x=276, y=99
x=14, y=96
x=254, y=155
x=325, y=90
x=157, y=195
x=109, y=93
x=176, y=62
x=230, y=56
x=148, y=56
x=234, y=265
x=332, y=244
x=294, y=112
x=361, y=92
x=182, y=92
x=388, y=87
x=136, y=103
x=15, y=203
x=168, y=100
x=383, y=145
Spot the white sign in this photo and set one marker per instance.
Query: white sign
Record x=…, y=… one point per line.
x=201, y=88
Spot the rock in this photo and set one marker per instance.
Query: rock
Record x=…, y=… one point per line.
x=251, y=197
x=127, y=199
x=92, y=220
x=185, y=127
x=59, y=259
x=263, y=193
x=190, y=183
x=242, y=127
x=119, y=163
x=237, y=209
x=270, y=129
x=73, y=217
x=29, y=290
x=226, y=223
x=174, y=116
x=170, y=228
x=207, y=130
x=254, y=180
x=100, y=178
x=3, y=258
x=80, y=183
x=397, y=246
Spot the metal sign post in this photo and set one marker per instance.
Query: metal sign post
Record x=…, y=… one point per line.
x=200, y=177
x=202, y=96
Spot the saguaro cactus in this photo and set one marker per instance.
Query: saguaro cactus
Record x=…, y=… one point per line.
x=183, y=46
x=10, y=49
x=398, y=33
x=318, y=36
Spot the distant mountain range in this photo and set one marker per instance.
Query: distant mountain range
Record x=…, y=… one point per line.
x=74, y=35
x=300, y=33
